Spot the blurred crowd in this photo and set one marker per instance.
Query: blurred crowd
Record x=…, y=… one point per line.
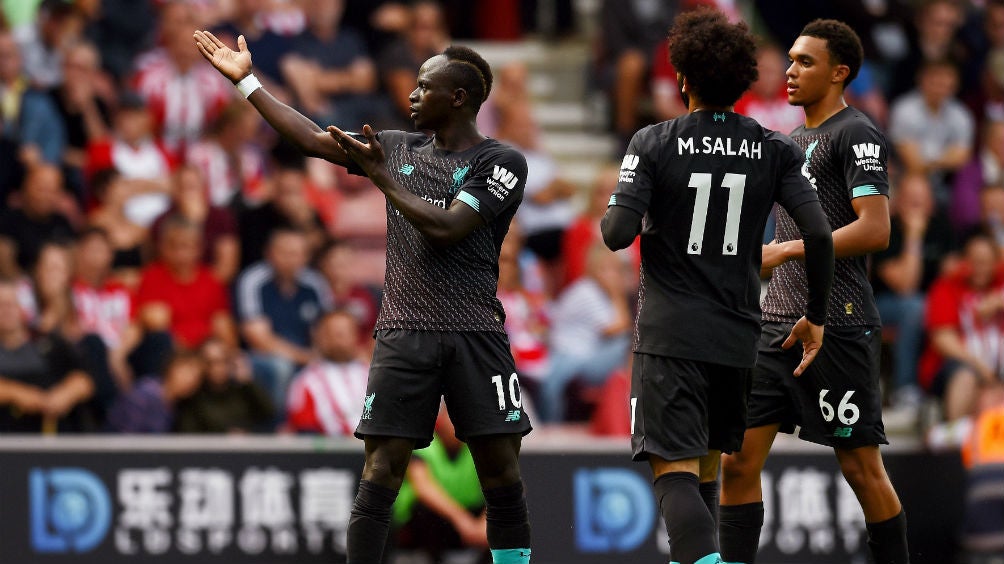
x=176, y=267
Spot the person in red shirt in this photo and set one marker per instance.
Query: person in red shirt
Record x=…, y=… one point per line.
x=326, y=396
x=965, y=325
x=767, y=99
x=584, y=232
x=179, y=294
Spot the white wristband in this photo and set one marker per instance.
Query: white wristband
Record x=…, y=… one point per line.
x=248, y=84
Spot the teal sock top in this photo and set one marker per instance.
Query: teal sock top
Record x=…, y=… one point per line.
x=511, y=556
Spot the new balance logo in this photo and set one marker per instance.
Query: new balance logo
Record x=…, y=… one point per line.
x=862, y=150
x=843, y=432
x=406, y=169
x=630, y=162
x=505, y=177
x=514, y=415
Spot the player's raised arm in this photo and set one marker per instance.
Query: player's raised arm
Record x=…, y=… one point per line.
x=295, y=127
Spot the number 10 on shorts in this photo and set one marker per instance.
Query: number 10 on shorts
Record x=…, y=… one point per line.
x=847, y=412
x=513, y=391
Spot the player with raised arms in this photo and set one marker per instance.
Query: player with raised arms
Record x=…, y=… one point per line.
x=450, y=198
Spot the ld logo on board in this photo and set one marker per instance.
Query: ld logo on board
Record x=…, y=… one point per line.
x=70, y=510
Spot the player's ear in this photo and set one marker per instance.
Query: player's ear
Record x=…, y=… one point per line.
x=459, y=98
x=840, y=73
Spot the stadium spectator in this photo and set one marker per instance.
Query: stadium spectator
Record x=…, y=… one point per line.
x=327, y=395
x=965, y=325
x=986, y=97
x=277, y=300
x=336, y=261
x=933, y=37
x=25, y=229
x=82, y=101
x=30, y=129
x=986, y=168
x=269, y=47
x=103, y=304
x=992, y=212
x=920, y=240
x=178, y=294
x=42, y=383
x=547, y=208
x=287, y=207
x=666, y=100
x=426, y=35
x=42, y=45
x=330, y=70
x=189, y=199
x=120, y=29
x=767, y=100
x=932, y=131
x=228, y=401
x=983, y=454
x=584, y=232
x=590, y=328
x=526, y=320
x=440, y=507
x=149, y=406
x=128, y=240
x=184, y=93
x=140, y=160
x=629, y=34
x=232, y=165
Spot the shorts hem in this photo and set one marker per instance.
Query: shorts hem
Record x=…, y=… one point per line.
x=421, y=440
x=843, y=445
x=647, y=452
x=521, y=431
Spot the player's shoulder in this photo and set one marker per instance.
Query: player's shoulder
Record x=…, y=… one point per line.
x=493, y=150
x=854, y=122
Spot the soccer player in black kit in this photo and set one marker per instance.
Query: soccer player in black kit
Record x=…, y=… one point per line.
x=837, y=402
x=450, y=198
x=699, y=189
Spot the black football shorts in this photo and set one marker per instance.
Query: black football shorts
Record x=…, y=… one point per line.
x=411, y=370
x=837, y=401
x=682, y=408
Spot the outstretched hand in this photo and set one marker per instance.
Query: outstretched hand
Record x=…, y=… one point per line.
x=234, y=65
x=369, y=156
x=811, y=336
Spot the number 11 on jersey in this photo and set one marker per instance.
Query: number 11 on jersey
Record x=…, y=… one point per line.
x=736, y=184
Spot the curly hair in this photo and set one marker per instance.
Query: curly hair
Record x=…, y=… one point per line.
x=842, y=43
x=469, y=71
x=717, y=58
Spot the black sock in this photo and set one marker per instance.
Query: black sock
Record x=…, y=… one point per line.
x=709, y=493
x=369, y=523
x=887, y=540
x=508, y=520
x=739, y=531
x=688, y=522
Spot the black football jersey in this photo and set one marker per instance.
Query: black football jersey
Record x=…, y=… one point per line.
x=429, y=288
x=845, y=158
x=705, y=184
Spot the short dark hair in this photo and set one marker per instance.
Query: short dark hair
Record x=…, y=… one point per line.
x=468, y=70
x=718, y=58
x=842, y=43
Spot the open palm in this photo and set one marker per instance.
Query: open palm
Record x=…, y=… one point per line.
x=234, y=65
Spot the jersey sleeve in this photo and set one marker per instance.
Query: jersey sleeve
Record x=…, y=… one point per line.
x=496, y=185
x=637, y=174
x=865, y=157
x=793, y=188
